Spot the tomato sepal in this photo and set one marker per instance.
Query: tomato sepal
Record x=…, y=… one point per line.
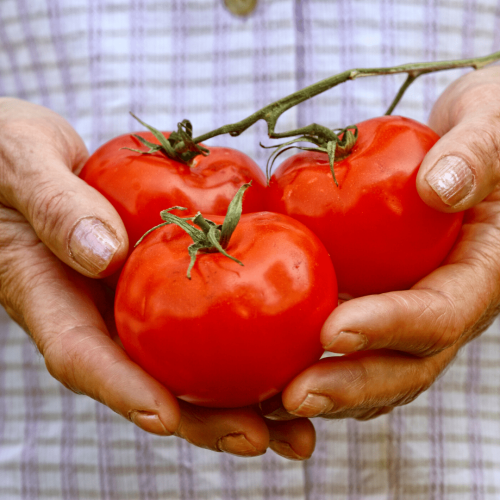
x=211, y=237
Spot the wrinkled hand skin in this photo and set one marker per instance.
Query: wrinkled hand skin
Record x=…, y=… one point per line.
x=51, y=291
x=396, y=344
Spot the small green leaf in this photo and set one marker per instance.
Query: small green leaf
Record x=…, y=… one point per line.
x=193, y=252
x=195, y=234
x=139, y=151
x=150, y=145
x=233, y=215
x=150, y=231
x=330, y=149
x=169, y=150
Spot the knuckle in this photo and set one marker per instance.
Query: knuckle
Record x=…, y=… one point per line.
x=354, y=378
x=350, y=389
x=19, y=146
x=61, y=367
x=485, y=320
x=15, y=130
x=446, y=324
x=374, y=413
x=485, y=147
x=415, y=378
x=428, y=370
x=412, y=393
x=439, y=313
x=409, y=396
x=47, y=208
x=19, y=269
x=62, y=356
x=83, y=361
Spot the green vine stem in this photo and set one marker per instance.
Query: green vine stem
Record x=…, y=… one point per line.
x=272, y=112
x=181, y=146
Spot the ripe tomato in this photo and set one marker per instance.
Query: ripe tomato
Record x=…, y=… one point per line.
x=380, y=235
x=231, y=335
x=140, y=186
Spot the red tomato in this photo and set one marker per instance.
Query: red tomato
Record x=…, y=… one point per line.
x=140, y=186
x=381, y=236
x=232, y=335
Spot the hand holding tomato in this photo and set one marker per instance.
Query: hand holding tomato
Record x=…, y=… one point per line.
x=397, y=343
x=56, y=234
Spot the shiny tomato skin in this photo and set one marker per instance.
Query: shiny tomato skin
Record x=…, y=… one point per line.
x=232, y=335
x=381, y=236
x=140, y=186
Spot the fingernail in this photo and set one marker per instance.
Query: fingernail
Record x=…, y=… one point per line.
x=149, y=422
x=284, y=449
x=313, y=405
x=451, y=178
x=273, y=409
x=92, y=245
x=237, y=444
x=347, y=342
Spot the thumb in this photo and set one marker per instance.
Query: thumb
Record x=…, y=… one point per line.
x=463, y=167
x=39, y=156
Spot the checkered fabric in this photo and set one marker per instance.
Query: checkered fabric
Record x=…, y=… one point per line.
x=94, y=60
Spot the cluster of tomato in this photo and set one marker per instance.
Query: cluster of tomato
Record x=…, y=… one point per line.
x=234, y=335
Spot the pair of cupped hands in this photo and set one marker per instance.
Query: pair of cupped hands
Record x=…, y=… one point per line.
x=57, y=233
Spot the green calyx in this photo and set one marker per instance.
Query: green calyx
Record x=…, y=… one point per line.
x=337, y=144
x=179, y=146
x=211, y=237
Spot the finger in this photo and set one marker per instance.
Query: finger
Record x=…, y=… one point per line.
x=238, y=431
x=50, y=300
x=274, y=410
x=436, y=313
x=294, y=440
x=358, y=414
x=353, y=385
x=243, y=432
x=463, y=167
x=39, y=154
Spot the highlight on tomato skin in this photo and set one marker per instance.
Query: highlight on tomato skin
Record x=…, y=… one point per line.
x=231, y=335
x=380, y=234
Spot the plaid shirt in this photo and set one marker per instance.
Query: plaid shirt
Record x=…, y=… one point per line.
x=92, y=61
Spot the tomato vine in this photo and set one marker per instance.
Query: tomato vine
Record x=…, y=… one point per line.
x=337, y=143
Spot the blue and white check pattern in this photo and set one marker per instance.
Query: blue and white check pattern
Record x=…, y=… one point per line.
x=93, y=61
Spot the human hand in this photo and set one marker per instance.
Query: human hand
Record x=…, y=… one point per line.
x=396, y=344
x=57, y=234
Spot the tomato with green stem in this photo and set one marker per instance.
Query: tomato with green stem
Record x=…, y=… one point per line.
x=140, y=182
x=232, y=320
x=380, y=234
